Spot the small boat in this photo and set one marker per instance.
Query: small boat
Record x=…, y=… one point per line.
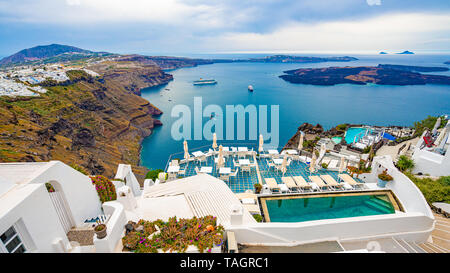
x=204, y=82
x=250, y=88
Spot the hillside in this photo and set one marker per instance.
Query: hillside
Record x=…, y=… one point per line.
x=41, y=52
x=95, y=123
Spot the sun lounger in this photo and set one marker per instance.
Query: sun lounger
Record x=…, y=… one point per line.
x=290, y=183
x=272, y=184
x=349, y=180
x=330, y=181
x=319, y=182
x=301, y=182
x=333, y=164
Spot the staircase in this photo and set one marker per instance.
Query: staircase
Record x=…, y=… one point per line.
x=440, y=236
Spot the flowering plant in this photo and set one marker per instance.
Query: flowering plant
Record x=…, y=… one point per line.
x=49, y=187
x=105, y=188
x=175, y=235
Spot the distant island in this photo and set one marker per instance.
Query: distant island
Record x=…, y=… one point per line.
x=414, y=68
x=299, y=59
x=381, y=74
x=382, y=52
x=406, y=52
x=447, y=62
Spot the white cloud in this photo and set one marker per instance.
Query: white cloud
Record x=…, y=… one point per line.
x=73, y=2
x=393, y=31
x=373, y=2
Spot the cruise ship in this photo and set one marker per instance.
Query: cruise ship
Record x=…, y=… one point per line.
x=204, y=82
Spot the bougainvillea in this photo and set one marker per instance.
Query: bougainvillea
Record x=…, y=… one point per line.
x=175, y=235
x=105, y=188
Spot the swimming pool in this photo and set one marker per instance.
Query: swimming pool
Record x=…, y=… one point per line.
x=326, y=206
x=336, y=140
x=353, y=132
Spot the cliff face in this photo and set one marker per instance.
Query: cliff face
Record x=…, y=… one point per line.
x=95, y=123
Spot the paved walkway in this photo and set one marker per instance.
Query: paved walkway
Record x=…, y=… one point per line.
x=393, y=150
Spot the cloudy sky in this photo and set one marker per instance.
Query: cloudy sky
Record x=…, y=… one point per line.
x=213, y=26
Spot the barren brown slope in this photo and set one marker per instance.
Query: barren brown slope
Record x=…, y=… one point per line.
x=96, y=123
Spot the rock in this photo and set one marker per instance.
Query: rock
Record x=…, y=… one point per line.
x=84, y=138
x=62, y=125
x=90, y=105
x=140, y=228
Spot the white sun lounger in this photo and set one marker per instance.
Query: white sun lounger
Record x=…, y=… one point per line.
x=301, y=183
x=319, y=182
x=290, y=183
x=330, y=181
x=333, y=164
x=272, y=184
x=349, y=180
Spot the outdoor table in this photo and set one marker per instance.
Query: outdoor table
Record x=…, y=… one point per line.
x=291, y=152
x=226, y=149
x=198, y=153
x=206, y=169
x=173, y=169
x=277, y=161
x=224, y=170
x=242, y=149
x=272, y=152
x=234, y=149
x=244, y=162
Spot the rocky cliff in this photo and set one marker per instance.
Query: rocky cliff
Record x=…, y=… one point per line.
x=95, y=123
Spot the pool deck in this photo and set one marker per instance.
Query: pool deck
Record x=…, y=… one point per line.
x=244, y=181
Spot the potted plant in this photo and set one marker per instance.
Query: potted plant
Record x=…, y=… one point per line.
x=258, y=188
x=383, y=178
x=100, y=231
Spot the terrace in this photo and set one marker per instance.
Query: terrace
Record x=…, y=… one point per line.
x=243, y=167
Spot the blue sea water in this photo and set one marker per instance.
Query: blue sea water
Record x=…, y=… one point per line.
x=298, y=103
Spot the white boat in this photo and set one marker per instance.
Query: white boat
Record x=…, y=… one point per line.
x=250, y=88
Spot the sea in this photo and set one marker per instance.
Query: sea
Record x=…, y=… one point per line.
x=297, y=103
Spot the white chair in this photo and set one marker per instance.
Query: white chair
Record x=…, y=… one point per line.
x=233, y=173
x=245, y=168
x=182, y=172
x=197, y=170
x=174, y=162
x=162, y=177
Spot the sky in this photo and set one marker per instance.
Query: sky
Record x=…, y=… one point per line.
x=228, y=26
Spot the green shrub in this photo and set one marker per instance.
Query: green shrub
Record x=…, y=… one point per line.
x=342, y=127
x=153, y=174
x=257, y=217
x=404, y=163
x=433, y=190
x=324, y=165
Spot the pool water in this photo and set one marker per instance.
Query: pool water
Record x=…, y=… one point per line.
x=298, y=209
x=352, y=133
x=336, y=140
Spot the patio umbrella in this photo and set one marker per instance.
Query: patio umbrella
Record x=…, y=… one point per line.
x=214, y=145
x=300, y=142
x=313, y=162
x=261, y=143
x=220, y=159
x=323, y=149
x=341, y=165
x=441, y=137
x=436, y=125
x=284, y=164
x=186, y=153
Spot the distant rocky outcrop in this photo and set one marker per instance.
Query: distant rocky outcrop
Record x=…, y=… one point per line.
x=414, y=68
x=41, y=52
x=406, y=52
x=382, y=74
x=300, y=59
x=448, y=62
x=382, y=52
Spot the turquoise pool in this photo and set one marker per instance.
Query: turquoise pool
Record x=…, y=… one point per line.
x=300, y=209
x=336, y=140
x=353, y=132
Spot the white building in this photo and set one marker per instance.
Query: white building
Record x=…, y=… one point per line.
x=35, y=220
x=435, y=160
